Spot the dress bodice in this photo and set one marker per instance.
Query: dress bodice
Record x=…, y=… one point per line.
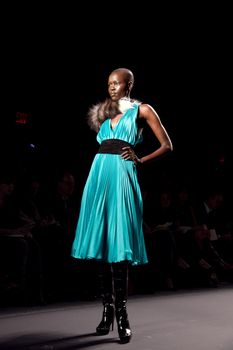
x=126, y=128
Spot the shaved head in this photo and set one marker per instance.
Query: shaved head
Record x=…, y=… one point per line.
x=126, y=73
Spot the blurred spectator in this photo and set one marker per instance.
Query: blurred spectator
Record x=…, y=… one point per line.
x=20, y=259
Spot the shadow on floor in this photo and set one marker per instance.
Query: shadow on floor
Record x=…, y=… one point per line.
x=53, y=342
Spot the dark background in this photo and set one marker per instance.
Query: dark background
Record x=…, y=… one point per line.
x=57, y=61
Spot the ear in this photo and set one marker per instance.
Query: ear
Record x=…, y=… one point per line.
x=130, y=85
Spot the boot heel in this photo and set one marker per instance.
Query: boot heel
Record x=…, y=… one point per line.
x=107, y=320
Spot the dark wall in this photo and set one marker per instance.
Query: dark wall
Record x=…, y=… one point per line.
x=57, y=66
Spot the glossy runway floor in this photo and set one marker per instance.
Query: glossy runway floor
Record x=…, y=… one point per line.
x=181, y=320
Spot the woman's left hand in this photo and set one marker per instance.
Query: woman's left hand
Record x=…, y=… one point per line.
x=129, y=154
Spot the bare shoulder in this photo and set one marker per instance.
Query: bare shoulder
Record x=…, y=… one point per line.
x=146, y=111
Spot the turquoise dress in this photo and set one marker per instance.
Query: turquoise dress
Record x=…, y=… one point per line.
x=109, y=227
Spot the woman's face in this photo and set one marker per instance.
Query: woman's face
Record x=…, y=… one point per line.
x=117, y=85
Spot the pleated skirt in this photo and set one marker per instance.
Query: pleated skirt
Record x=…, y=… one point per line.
x=109, y=226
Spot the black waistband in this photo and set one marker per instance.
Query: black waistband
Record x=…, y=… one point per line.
x=113, y=146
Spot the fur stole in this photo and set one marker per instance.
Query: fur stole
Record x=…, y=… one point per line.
x=108, y=109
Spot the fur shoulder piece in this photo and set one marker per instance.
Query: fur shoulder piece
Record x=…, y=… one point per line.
x=101, y=111
x=126, y=103
x=98, y=113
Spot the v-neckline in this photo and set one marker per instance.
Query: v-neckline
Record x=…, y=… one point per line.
x=113, y=128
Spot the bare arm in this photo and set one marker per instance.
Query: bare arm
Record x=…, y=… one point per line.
x=150, y=116
x=152, y=119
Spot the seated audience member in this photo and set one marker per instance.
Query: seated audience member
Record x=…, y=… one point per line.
x=20, y=258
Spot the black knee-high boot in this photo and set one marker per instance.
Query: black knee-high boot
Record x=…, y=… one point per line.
x=120, y=276
x=105, y=279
